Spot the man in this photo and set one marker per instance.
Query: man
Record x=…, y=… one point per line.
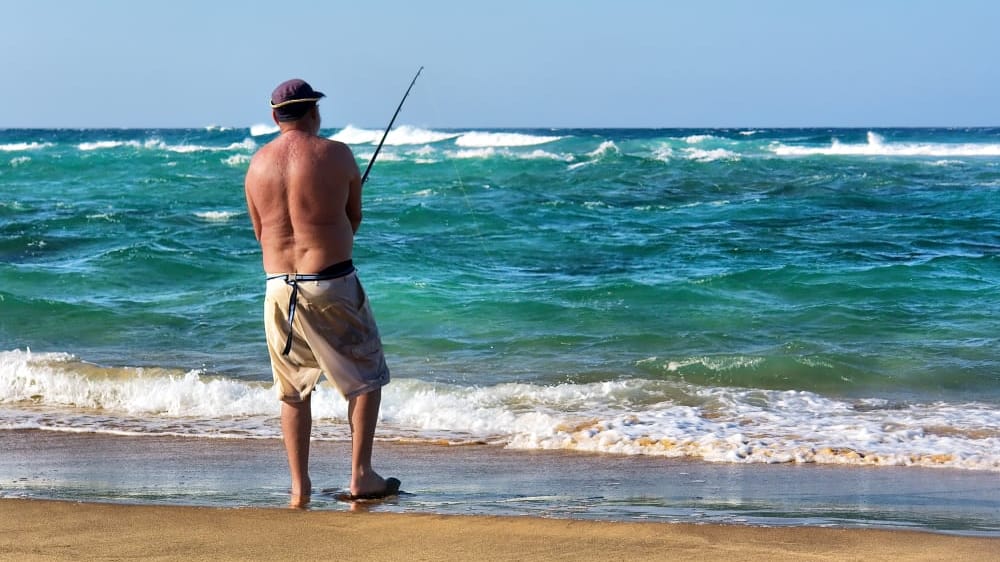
x=304, y=197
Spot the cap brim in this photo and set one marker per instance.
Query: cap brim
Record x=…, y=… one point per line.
x=317, y=97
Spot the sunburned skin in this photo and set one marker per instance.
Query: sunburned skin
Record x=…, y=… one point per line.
x=304, y=198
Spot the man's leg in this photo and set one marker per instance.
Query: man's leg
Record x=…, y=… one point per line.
x=296, y=426
x=362, y=412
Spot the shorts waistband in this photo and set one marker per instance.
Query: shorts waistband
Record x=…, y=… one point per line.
x=335, y=271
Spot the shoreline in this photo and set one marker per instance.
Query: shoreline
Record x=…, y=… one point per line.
x=43, y=530
x=492, y=481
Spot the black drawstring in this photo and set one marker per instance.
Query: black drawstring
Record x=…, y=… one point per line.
x=333, y=272
x=291, y=312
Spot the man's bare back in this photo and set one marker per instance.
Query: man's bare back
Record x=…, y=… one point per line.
x=304, y=197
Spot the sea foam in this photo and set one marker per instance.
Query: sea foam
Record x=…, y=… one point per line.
x=488, y=140
x=877, y=146
x=630, y=417
x=400, y=136
x=23, y=146
x=217, y=216
x=262, y=129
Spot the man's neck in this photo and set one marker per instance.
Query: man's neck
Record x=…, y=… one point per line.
x=296, y=127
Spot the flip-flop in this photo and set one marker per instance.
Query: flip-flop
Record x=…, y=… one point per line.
x=391, y=489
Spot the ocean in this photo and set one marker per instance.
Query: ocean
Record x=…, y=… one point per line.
x=720, y=297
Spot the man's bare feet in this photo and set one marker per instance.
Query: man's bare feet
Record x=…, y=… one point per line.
x=300, y=498
x=367, y=484
x=374, y=486
x=298, y=501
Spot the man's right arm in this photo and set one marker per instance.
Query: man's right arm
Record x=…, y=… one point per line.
x=353, y=176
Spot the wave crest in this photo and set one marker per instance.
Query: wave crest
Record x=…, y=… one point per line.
x=877, y=146
x=632, y=417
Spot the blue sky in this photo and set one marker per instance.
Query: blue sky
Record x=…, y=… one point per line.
x=516, y=63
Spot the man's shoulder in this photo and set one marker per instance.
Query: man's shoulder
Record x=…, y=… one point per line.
x=262, y=154
x=334, y=144
x=337, y=148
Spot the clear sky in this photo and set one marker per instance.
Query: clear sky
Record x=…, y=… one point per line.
x=512, y=63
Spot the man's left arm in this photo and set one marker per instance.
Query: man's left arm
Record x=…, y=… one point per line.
x=251, y=208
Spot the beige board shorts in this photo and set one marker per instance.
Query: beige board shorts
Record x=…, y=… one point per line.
x=334, y=333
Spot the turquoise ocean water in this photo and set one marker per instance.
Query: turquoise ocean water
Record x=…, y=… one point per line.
x=793, y=296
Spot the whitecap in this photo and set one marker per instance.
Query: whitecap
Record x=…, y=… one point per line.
x=262, y=129
x=217, y=216
x=877, y=146
x=493, y=140
x=489, y=152
x=604, y=149
x=709, y=155
x=236, y=160
x=22, y=146
x=107, y=144
x=695, y=139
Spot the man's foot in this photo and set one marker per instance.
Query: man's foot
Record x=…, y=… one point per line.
x=298, y=501
x=389, y=488
x=300, y=498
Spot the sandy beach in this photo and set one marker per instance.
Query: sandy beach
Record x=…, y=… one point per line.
x=50, y=530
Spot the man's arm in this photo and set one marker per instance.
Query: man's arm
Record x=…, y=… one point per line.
x=354, y=190
x=251, y=208
x=354, y=204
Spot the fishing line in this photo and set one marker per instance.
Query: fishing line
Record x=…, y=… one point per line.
x=461, y=185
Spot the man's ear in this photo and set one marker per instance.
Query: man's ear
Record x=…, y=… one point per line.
x=274, y=115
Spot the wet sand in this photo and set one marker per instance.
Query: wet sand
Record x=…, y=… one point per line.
x=102, y=497
x=492, y=481
x=50, y=530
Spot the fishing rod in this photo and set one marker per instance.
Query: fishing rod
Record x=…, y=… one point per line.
x=364, y=178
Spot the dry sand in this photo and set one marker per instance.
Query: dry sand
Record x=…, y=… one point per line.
x=50, y=530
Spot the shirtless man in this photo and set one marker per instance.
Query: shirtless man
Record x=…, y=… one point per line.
x=304, y=197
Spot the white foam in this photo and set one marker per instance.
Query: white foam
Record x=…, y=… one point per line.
x=403, y=135
x=475, y=153
x=217, y=216
x=246, y=144
x=663, y=153
x=695, y=139
x=158, y=144
x=354, y=135
x=493, y=152
x=383, y=156
x=262, y=129
x=709, y=155
x=495, y=140
x=634, y=417
x=23, y=146
x=876, y=146
x=539, y=154
x=103, y=216
x=106, y=144
x=407, y=135
x=19, y=160
x=236, y=160
x=604, y=149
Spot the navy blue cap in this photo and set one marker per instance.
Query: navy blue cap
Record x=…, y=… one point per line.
x=293, y=91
